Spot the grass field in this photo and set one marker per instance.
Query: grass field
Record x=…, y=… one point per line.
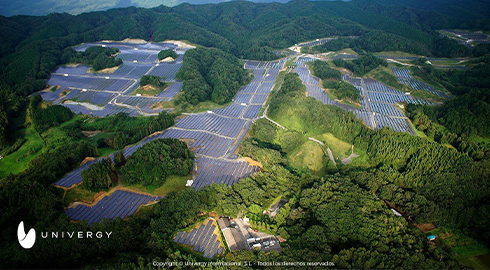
x=290, y=63
x=33, y=146
x=205, y=106
x=78, y=194
x=172, y=183
x=339, y=148
x=309, y=156
x=18, y=160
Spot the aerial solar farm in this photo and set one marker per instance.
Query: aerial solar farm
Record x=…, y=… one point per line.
x=381, y=104
x=205, y=239
x=102, y=94
x=214, y=135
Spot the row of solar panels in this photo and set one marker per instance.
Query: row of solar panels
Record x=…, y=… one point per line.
x=117, y=205
x=203, y=240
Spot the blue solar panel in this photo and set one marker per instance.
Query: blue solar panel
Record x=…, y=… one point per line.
x=202, y=236
x=119, y=204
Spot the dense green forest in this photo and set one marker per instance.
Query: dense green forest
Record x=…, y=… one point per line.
x=362, y=65
x=152, y=80
x=44, y=118
x=331, y=80
x=100, y=175
x=163, y=54
x=127, y=130
x=322, y=69
x=154, y=161
x=97, y=57
x=211, y=74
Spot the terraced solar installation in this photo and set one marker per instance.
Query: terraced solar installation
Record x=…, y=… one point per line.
x=217, y=171
x=314, y=90
x=404, y=76
x=229, y=127
x=119, y=204
x=213, y=136
x=204, y=238
x=111, y=91
x=380, y=103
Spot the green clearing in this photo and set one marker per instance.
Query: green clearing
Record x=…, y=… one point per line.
x=18, y=161
x=33, y=146
x=466, y=249
x=346, y=51
x=172, y=183
x=102, y=135
x=150, y=91
x=78, y=194
x=418, y=132
x=205, y=106
x=189, y=108
x=290, y=63
x=339, y=148
x=384, y=75
x=279, y=80
x=309, y=156
x=346, y=102
x=332, y=96
x=105, y=151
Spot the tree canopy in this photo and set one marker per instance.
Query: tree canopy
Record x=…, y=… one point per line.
x=211, y=74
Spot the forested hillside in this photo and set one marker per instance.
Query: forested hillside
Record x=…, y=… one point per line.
x=211, y=74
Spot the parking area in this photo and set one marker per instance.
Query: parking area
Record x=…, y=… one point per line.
x=238, y=235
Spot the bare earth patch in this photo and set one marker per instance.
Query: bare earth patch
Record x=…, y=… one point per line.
x=426, y=227
x=90, y=133
x=168, y=59
x=252, y=162
x=106, y=70
x=181, y=44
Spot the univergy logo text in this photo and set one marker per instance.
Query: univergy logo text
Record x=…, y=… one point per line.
x=27, y=240
x=80, y=234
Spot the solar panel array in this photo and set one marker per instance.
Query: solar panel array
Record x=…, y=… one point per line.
x=214, y=137
x=215, y=171
x=102, y=88
x=119, y=204
x=224, y=126
x=378, y=101
x=380, y=105
x=475, y=37
x=205, y=239
x=404, y=77
x=314, y=90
